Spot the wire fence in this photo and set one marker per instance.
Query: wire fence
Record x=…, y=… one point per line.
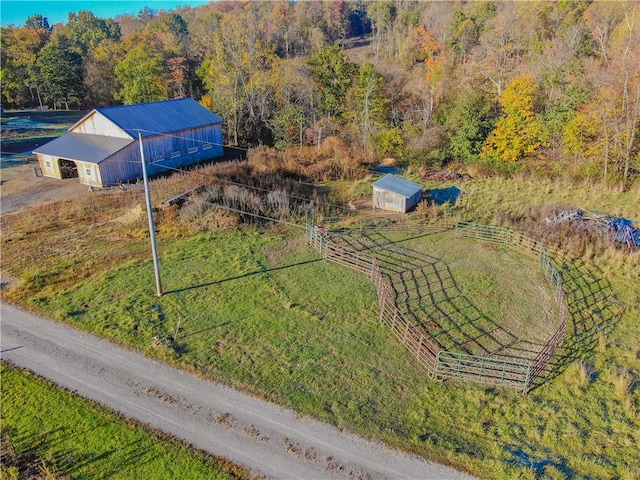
x=442, y=364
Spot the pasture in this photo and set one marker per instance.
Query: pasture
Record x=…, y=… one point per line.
x=24, y=130
x=260, y=310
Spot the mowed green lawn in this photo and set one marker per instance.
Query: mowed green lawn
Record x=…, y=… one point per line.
x=48, y=432
x=474, y=297
x=261, y=312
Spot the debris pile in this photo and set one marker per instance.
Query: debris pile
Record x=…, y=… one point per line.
x=441, y=175
x=621, y=228
x=625, y=232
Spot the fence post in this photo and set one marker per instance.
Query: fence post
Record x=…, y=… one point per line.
x=525, y=387
x=429, y=353
x=406, y=327
x=323, y=247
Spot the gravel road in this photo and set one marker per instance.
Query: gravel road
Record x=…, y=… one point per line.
x=266, y=439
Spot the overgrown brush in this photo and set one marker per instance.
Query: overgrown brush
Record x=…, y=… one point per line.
x=582, y=239
x=220, y=196
x=332, y=160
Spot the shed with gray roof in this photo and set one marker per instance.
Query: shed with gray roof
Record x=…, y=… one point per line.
x=102, y=149
x=396, y=194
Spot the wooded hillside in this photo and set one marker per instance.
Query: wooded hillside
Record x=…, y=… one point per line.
x=545, y=87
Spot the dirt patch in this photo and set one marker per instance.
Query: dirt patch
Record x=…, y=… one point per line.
x=21, y=189
x=23, y=131
x=7, y=281
x=130, y=216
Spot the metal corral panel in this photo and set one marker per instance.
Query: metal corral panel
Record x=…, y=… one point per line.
x=83, y=146
x=396, y=194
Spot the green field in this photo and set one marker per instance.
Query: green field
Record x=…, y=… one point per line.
x=474, y=297
x=260, y=311
x=49, y=433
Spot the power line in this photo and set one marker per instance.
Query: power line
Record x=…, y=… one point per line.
x=211, y=176
x=231, y=182
x=188, y=138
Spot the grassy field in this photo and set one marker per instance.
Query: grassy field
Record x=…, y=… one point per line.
x=260, y=311
x=48, y=432
x=486, y=199
x=473, y=297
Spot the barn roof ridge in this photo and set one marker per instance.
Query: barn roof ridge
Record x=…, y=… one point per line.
x=156, y=118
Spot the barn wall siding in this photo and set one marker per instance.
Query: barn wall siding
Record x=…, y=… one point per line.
x=413, y=201
x=89, y=174
x=122, y=167
x=159, y=149
x=49, y=166
x=386, y=200
x=126, y=165
x=393, y=202
x=98, y=124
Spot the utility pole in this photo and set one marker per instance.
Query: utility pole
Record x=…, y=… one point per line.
x=152, y=228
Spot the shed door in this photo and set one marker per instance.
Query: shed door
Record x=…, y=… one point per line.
x=392, y=202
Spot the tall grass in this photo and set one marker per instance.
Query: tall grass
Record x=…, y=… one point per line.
x=331, y=160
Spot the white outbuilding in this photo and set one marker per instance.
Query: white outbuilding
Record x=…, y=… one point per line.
x=396, y=194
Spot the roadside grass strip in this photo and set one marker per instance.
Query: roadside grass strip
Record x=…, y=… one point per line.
x=48, y=432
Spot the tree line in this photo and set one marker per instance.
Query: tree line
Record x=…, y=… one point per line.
x=549, y=87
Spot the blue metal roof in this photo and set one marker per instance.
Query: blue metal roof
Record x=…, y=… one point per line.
x=159, y=117
x=83, y=147
x=398, y=185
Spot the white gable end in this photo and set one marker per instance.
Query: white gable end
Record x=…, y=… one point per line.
x=97, y=124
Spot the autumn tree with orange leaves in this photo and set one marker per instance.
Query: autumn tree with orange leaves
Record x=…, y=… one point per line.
x=431, y=48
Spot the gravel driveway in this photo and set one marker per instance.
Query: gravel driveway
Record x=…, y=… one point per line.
x=268, y=440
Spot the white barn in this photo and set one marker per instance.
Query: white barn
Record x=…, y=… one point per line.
x=102, y=149
x=396, y=194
